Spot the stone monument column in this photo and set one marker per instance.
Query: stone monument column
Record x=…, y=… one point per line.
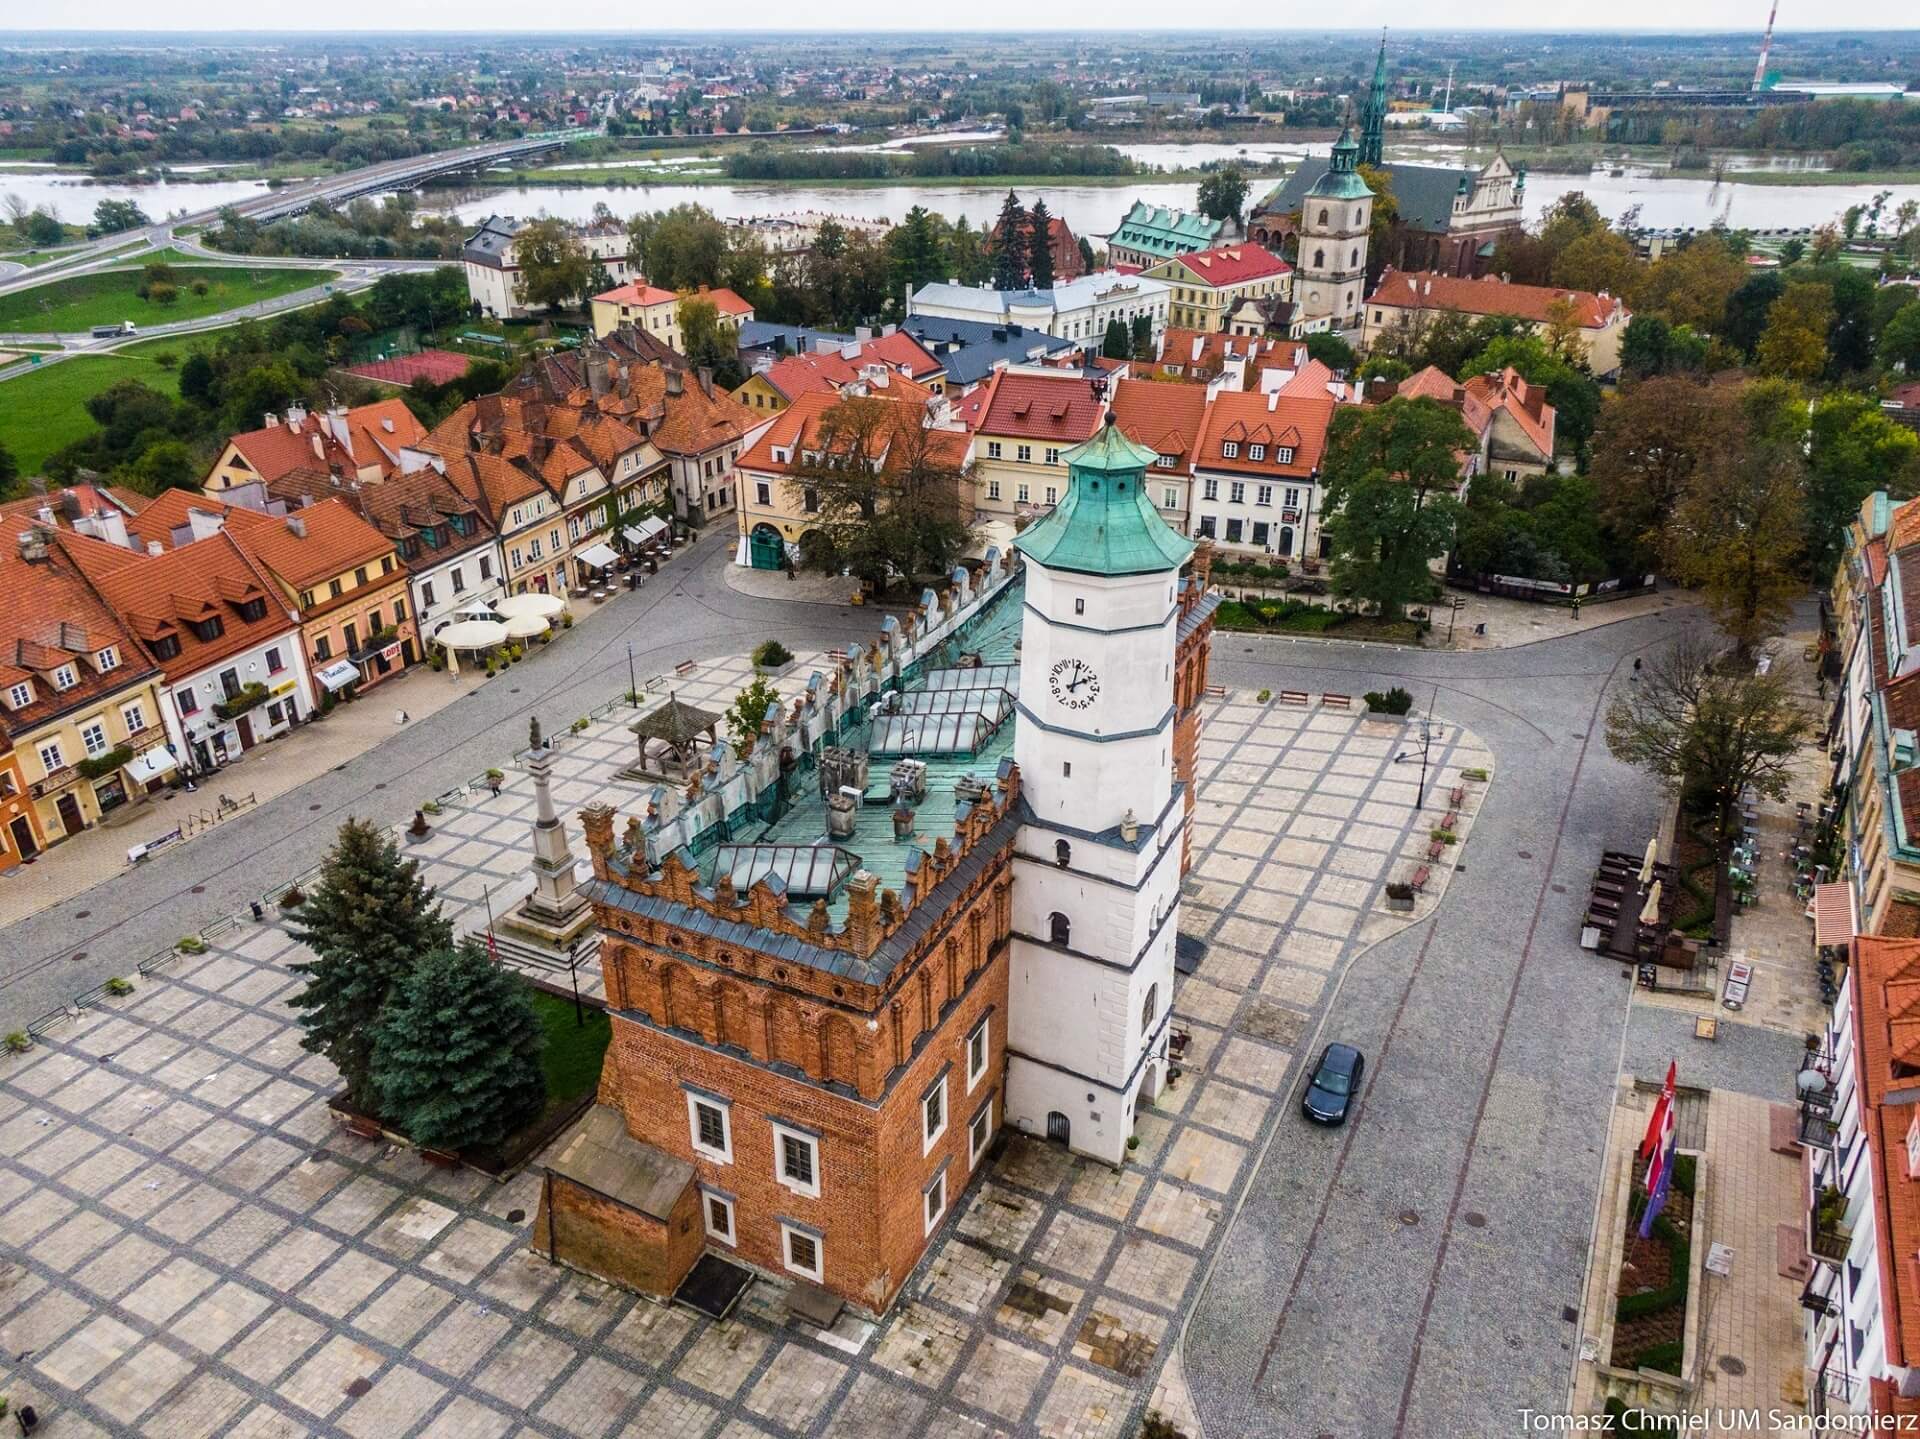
x=556, y=911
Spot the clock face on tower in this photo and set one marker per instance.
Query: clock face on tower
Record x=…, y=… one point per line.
x=1074, y=684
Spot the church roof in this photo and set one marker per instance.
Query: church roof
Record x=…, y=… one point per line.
x=1424, y=192
x=1106, y=525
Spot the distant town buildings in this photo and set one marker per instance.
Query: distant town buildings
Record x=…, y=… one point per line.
x=1073, y=310
x=493, y=271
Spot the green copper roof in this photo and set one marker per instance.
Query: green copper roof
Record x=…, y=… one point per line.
x=1340, y=182
x=1106, y=525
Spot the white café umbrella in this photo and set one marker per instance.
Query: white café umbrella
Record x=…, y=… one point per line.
x=1646, y=866
x=477, y=610
x=542, y=606
x=469, y=635
x=525, y=627
x=1650, y=911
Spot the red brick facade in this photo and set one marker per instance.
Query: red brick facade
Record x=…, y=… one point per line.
x=589, y=1231
x=1189, y=689
x=845, y=1063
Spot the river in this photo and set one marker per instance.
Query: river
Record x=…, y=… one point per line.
x=1665, y=200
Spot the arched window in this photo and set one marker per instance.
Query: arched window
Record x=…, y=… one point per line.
x=1286, y=539
x=1062, y=853
x=1150, y=1008
x=1323, y=217
x=1059, y=928
x=1319, y=259
x=1355, y=261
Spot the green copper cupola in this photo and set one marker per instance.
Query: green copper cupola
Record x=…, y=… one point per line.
x=1107, y=523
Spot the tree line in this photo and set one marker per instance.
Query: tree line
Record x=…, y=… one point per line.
x=927, y=162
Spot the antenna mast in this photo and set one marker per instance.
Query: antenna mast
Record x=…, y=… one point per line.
x=1766, y=48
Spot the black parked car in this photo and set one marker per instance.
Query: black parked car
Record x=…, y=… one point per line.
x=1333, y=1085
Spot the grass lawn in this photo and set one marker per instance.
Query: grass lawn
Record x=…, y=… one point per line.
x=83, y=301
x=46, y=409
x=573, y=1054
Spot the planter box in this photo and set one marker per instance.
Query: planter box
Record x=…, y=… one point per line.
x=1400, y=906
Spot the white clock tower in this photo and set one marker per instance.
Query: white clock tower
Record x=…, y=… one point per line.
x=1096, y=892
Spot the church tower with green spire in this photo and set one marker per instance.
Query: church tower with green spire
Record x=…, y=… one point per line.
x=1373, y=126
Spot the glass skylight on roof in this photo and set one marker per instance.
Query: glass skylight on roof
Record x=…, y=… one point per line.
x=1006, y=677
x=962, y=733
x=809, y=871
x=995, y=703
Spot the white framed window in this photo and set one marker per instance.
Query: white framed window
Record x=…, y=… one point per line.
x=1024, y=454
x=801, y=1251
x=93, y=734
x=1293, y=498
x=1237, y=493
x=1263, y=494
x=1209, y=489
x=934, y=1201
x=710, y=1125
x=1256, y=452
x=1230, y=448
x=933, y=1114
x=107, y=659
x=20, y=696
x=1053, y=495
x=1166, y=462
x=1053, y=455
x=978, y=1048
x=980, y=1133
x=1023, y=494
x=993, y=449
x=796, y=1160
x=717, y=1210
x=1283, y=455
x=1169, y=499
x=51, y=759
x=993, y=489
x=133, y=716
x=65, y=678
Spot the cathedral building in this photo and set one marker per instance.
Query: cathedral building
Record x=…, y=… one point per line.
x=935, y=896
x=1336, y=213
x=1450, y=218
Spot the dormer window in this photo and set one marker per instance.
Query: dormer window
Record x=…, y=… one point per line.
x=20, y=696
x=167, y=647
x=65, y=678
x=210, y=628
x=253, y=611
x=106, y=659
x=1256, y=452
x=1230, y=448
x=1283, y=455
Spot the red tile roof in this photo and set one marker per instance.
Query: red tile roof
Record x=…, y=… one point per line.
x=335, y=541
x=799, y=424
x=1232, y=265
x=636, y=292
x=1043, y=407
x=1526, y=404
x=162, y=596
x=1420, y=290
x=1166, y=418
x=1294, y=422
x=344, y=441
x=826, y=372
x=1886, y=1015
x=1206, y=352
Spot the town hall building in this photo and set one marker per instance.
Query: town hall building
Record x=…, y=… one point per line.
x=936, y=896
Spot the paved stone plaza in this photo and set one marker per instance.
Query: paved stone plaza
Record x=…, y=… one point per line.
x=199, y=1250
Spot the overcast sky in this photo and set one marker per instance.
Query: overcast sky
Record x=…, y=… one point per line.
x=991, y=15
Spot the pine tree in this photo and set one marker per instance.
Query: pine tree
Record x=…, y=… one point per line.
x=1040, y=247
x=368, y=922
x=456, y=1056
x=1113, y=346
x=1009, y=253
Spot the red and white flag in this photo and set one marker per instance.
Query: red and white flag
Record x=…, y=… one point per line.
x=1660, y=1124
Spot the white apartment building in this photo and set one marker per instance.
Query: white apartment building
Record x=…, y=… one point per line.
x=1072, y=310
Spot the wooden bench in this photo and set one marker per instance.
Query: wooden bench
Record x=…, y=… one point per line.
x=686, y=667
x=1458, y=797
x=1436, y=848
x=1337, y=702
x=1298, y=698
x=1452, y=821
x=1215, y=692
x=1418, y=882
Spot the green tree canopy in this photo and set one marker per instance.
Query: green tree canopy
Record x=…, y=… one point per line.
x=1794, y=344
x=1040, y=247
x=1222, y=194
x=1009, y=253
x=1900, y=339
x=1389, y=474
x=681, y=248
x=554, y=266
x=456, y=1052
x=1116, y=345
x=368, y=921
x=1853, y=450
x=110, y=217
x=710, y=341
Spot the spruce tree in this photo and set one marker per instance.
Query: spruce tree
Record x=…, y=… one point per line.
x=1009, y=250
x=456, y=1056
x=368, y=921
x=1040, y=247
x=1113, y=346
